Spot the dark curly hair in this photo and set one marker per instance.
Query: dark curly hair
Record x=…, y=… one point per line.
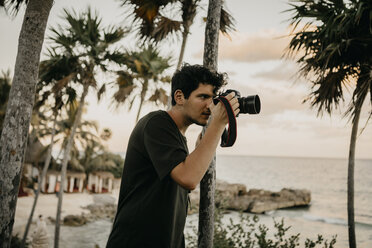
x=188, y=78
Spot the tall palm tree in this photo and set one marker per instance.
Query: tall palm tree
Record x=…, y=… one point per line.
x=89, y=48
x=208, y=183
x=18, y=114
x=145, y=71
x=153, y=24
x=337, y=44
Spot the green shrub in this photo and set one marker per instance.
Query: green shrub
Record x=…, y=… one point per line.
x=248, y=233
x=16, y=242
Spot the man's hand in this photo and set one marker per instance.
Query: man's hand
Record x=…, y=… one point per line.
x=218, y=112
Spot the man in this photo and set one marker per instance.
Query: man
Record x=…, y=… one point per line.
x=159, y=171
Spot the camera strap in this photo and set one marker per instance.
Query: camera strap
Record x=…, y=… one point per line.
x=229, y=136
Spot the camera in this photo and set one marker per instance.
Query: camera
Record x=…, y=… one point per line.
x=247, y=105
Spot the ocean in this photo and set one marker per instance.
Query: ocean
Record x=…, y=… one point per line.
x=325, y=178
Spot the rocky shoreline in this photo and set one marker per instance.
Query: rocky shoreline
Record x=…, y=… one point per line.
x=236, y=197
x=233, y=197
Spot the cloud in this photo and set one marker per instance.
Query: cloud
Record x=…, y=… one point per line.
x=263, y=46
x=287, y=71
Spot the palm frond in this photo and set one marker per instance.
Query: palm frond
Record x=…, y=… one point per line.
x=165, y=27
x=328, y=91
x=363, y=87
x=13, y=6
x=227, y=23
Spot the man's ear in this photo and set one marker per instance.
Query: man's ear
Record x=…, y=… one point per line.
x=179, y=97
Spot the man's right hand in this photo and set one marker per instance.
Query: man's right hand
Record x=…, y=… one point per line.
x=218, y=112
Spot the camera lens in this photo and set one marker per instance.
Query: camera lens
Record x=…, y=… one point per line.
x=249, y=105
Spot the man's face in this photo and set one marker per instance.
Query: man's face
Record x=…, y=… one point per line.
x=196, y=106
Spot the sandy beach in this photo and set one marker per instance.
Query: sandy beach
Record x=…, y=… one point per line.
x=72, y=204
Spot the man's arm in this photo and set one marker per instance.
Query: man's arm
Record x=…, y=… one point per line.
x=189, y=173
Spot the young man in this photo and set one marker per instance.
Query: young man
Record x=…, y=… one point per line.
x=159, y=171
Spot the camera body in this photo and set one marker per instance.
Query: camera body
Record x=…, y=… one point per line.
x=247, y=105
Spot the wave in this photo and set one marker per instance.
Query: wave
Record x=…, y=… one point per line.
x=334, y=221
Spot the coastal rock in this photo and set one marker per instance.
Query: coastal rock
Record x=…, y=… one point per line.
x=236, y=197
x=106, y=210
x=74, y=220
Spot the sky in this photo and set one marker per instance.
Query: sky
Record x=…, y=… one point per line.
x=253, y=59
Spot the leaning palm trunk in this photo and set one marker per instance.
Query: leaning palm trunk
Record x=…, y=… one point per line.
x=66, y=158
x=208, y=183
x=350, y=180
x=17, y=120
x=143, y=92
x=40, y=181
x=185, y=34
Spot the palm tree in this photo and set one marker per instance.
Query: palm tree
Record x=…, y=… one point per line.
x=88, y=49
x=208, y=183
x=41, y=99
x=152, y=23
x=18, y=114
x=145, y=69
x=337, y=45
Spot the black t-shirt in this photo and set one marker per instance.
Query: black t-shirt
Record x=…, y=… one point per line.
x=152, y=207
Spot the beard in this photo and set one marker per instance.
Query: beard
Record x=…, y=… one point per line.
x=199, y=123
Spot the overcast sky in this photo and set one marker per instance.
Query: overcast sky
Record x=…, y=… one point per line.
x=252, y=57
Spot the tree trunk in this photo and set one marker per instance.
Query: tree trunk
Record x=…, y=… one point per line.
x=183, y=46
x=40, y=181
x=19, y=109
x=66, y=158
x=143, y=93
x=350, y=181
x=208, y=183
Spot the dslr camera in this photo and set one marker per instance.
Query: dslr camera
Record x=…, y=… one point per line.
x=247, y=105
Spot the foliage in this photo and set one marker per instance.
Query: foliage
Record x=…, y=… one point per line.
x=16, y=242
x=248, y=233
x=336, y=41
x=144, y=74
x=5, y=83
x=153, y=20
x=12, y=6
x=106, y=161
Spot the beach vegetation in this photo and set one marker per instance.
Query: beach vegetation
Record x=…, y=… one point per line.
x=248, y=232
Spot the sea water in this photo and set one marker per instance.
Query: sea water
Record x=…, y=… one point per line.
x=325, y=178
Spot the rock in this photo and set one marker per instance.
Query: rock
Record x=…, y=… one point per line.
x=106, y=210
x=236, y=197
x=74, y=220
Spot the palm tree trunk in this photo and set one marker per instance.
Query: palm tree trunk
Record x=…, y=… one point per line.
x=143, y=93
x=350, y=181
x=14, y=135
x=208, y=183
x=66, y=158
x=40, y=181
x=139, y=109
x=183, y=46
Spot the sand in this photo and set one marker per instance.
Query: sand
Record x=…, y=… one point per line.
x=72, y=204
